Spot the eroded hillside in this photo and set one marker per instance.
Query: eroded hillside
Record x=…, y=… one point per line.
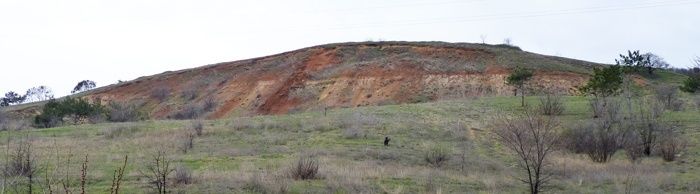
x=345, y=75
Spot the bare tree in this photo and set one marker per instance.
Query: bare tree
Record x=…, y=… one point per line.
x=157, y=171
x=37, y=94
x=483, y=38
x=532, y=138
x=508, y=42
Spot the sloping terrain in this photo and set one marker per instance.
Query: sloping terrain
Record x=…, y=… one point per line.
x=345, y=75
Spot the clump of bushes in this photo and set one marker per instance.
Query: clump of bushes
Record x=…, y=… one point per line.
x=437, y=155
x=551, y=105
x=160, y=93
x=76, y=109
x=120, y=112
x=183, y=175
x=670, y=145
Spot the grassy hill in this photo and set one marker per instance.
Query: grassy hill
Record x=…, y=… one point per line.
x=254, y=154
x=341, y=75
x=335, y=104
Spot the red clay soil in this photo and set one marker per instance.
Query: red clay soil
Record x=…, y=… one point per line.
x=339, y=75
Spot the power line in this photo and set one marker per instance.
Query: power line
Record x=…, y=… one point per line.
x=491, y=17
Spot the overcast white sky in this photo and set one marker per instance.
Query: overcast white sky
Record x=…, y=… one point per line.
x=60, y=42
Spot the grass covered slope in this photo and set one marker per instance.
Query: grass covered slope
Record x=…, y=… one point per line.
x=255, y=154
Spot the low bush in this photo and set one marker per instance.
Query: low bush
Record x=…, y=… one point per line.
x=183, y=175
x=189, y=111
x=120, y=112
x=305, y=168
x=160, y=93
x=186, y=142
x=197, y=127
x=436, y=155
x=671, y=144
x=551, y=105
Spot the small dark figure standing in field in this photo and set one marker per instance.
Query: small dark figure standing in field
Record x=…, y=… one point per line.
x=386, y=141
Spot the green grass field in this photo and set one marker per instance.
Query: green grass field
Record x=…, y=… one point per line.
x=253, y=155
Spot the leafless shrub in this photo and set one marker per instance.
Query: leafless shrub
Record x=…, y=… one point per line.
x=117, y=177
x=161, y=93
x=634, y=147
x=671, y=144
x=551, y=105
x=189, y=93
x=13, y=124
x=209, y=104
x=197, y=127
x=115, y=131
x=598, y=138
x=22, y=162
x=157, y=171
x=189, y=111
x=668, y=96
x=183, y=175
x=83, y=175
x=532, y=138
x=437, y=155
x=121, y=112
x=186, y=142
x=305, y=168
x=647, y=124
x=599, y=106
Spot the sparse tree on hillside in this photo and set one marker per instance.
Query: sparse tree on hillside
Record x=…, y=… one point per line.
x=39, y=93
x=634, y=60
x=84, y=85
x=518, y=78
x=483, y=38
x=508, y=42
x=655, y=62
x=692, y=83
x=604, y=82
x=12, y=98
x=532, y=138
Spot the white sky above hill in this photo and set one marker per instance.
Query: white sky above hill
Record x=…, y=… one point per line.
x=60, y=42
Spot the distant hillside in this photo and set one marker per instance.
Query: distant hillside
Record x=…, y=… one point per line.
x=344, y=75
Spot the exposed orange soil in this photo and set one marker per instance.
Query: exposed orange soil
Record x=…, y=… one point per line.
x=333, y=76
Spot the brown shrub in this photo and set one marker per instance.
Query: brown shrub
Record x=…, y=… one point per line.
x=197, y=127
x=183, y=175
x=551, y=105
x=305, y=168
x=161, y=93
x=671, y=144
x=437, y=155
